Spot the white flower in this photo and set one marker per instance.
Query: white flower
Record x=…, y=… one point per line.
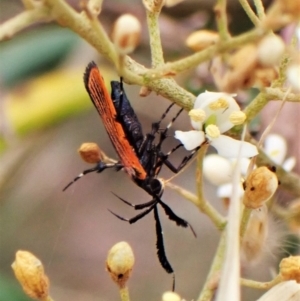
x=276, y=148
x=210, y=118
x=218, y=171
x=284, y=291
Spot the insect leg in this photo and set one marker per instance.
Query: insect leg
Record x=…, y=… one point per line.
x=173, y=217
x=138, y=206
x=98, y=168
x=183, y=163
x=161, y=248
x=135, y=218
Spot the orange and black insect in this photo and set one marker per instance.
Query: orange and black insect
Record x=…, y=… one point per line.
x=139, y=156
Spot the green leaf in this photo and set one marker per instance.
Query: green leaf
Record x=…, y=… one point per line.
x=31, y=53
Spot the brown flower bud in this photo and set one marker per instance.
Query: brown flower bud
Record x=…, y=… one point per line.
x=255, y=235
x=90, y=152
x=144, y=91
x=291, y=7
x=119, y=263
x=239, y=72
x=290, y=268
x=263, y=77
x=30, y=273
x=202, y=39
x=126, y=33
x=260, y=186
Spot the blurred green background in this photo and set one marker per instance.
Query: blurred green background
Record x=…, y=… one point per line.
x=45, y=114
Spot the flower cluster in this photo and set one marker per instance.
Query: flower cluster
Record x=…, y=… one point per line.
x=215, y=113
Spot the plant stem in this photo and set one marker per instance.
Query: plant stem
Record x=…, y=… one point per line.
x=22, y=21
x=244, y=221
x=261, y=285
x=260, y=10
x=48, y=298
x=155, y=41
x=221, y=17
x=218, y=220
x=124, y=293
x=208, y=288
x=247, y=8
x=204, y=55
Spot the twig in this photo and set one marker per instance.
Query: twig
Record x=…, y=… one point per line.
x=260, y=10
x=205, y=207
x=221, y=17
x=261, y=285
x=209, y=287
x=155, y=41
x=204, y=55
x=247, y=8
x=23, y=20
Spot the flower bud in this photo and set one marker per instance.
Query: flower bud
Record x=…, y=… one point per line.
x=144, y=91
x=290, y=268
x=30, y=273
x=201, y=39
x=217, y=170
x=90, y=152
x=126, y=33
x=170, y=296
x=263, y=77
x=241, y=67
x=291, y=7
x=255, y=235
x=119, y=263
x=293, y=216
x=293, y=75
x=270, y=50
x=260, y=186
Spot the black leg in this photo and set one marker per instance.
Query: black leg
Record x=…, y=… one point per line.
x=138, y=206
x=161, y=248
x=183, y=163
x=173, y=217
x=163, y=134
x=135, y=218
x=98, y=168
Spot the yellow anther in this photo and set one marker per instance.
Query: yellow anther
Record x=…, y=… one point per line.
x=212, y=131
x=237, y=117
x=221, y=103
x=197, y=115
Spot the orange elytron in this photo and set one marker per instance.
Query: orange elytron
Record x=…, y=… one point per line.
x=101, y=99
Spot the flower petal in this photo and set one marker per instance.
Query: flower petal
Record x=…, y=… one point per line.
x=225, y=190
x=284, y=291
x=276, y=148
x=289, y=164
x=229, y=147
x=190, y=139
x=205, y=99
